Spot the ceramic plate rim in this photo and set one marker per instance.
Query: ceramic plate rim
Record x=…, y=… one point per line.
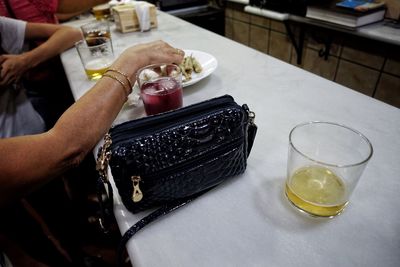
x=208, y=67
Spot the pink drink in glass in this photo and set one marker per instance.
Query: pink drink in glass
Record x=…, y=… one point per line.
x=160, y=95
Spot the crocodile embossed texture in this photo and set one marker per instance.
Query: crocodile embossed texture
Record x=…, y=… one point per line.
x=181, y=160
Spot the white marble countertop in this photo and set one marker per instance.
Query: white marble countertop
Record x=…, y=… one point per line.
x=248, y=221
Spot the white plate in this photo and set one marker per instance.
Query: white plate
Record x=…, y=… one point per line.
x=207, y=61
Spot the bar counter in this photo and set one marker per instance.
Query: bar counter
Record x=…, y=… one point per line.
x=247, y=221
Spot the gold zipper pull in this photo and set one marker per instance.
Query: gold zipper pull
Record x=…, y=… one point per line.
x=137, y=194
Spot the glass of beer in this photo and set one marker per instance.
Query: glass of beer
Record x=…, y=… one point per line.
x=325, y=163
x=160, y=87
x=96, y=59
x=95, y=29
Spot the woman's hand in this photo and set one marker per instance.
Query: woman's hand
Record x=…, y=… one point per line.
x=146, y=54
x=12, y=68
x=158, y=52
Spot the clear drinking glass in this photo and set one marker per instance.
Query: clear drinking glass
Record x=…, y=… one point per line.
x=160, y=87
x=95, y=29
x=95, y=59
x=325, y=163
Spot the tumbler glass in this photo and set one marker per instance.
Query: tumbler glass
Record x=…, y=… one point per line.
x=95, y=59
x=160, y=87
x=325, y=163
x=94, y=30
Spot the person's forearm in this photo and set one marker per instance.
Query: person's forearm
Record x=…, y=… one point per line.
x=58, y=42
x=50, y=154
x=31, y=161
x=81, y=131
x=72, y=6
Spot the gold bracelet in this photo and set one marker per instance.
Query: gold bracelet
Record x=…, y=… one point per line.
x=123, y=74
x=124, y=85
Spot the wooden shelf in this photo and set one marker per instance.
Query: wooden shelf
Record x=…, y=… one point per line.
x=383, y=31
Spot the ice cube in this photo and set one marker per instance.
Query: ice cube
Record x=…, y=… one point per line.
x=166, y=84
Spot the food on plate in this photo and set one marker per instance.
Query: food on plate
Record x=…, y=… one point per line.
x=189, y=65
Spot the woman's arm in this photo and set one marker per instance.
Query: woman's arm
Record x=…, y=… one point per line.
x=59, y=39
x=30, y=161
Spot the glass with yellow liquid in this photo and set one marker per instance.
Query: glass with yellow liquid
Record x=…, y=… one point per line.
x=95, y=68
x=325, y=163
x=96, y=59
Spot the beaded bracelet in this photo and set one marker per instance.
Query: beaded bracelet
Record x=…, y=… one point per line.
x=124, y=85
x=123, y=74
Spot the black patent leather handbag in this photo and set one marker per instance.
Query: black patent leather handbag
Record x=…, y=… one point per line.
x=167, y=160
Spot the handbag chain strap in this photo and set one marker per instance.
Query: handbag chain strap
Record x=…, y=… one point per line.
x=105, y=197
x=104, y=157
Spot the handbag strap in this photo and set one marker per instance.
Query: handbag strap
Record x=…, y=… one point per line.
x=164, y=210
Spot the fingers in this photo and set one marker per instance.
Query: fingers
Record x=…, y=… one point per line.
x=12, y=68
x=5, y=79
x=181, y=55
x=175, y=55
x=7, y=73
x=179, y=52
x=3, y=71
x=150, y=53
x=2, y=59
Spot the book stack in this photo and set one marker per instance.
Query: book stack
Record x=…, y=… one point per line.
x=349, y=13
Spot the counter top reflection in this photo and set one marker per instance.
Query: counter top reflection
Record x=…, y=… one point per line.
x=248, y=221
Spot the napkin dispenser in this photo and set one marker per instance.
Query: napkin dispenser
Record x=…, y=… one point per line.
x=135, y=16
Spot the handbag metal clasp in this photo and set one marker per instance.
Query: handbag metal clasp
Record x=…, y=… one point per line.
x=251, y=115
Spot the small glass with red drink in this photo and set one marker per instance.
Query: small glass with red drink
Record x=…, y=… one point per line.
x=160, y=87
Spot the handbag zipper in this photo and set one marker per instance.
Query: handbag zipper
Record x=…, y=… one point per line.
x=137, y=194
x=145, y=123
